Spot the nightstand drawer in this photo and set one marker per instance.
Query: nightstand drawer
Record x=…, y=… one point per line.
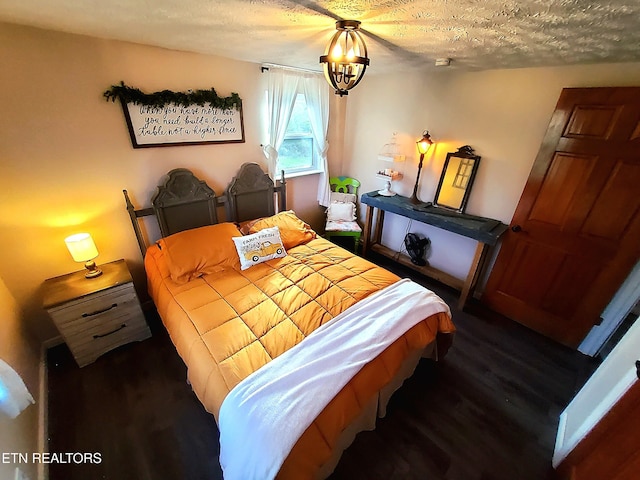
x=82, y=331
x=87, y=348
x=96, y=315
x=94, y=307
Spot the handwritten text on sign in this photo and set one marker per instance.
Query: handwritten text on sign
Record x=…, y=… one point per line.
x=177, y=124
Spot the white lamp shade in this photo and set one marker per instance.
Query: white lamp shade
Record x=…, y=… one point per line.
x=81, y=247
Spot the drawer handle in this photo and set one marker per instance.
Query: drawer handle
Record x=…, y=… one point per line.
x=98, y=312
x=110, y=333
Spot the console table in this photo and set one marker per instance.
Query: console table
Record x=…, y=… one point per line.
x=485, y=231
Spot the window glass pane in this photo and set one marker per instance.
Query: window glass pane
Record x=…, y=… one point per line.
x=296, y=152
x=299, y=122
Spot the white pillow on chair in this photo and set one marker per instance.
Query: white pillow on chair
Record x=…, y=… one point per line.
x=339, y=211
x=343, y=197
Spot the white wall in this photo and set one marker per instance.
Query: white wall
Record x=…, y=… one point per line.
x=19, y=349
x=502, y=114
x=66, y=154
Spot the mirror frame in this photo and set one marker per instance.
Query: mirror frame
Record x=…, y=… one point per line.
x=463, y=152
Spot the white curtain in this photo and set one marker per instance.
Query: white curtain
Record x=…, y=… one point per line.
x=316, y=92
x=283, y=86
x=281, y=95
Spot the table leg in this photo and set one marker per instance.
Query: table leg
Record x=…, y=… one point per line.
x=367, y=231
x=474, y=271
x=377, y=236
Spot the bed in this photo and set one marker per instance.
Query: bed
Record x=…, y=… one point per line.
x=230, y=322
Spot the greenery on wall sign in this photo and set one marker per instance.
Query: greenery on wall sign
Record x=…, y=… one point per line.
x=165, y=97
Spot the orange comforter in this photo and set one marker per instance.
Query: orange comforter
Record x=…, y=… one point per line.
x=227, y=324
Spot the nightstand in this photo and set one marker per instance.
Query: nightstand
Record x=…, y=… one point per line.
x=95, y=315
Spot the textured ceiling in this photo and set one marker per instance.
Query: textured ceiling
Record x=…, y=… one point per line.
x=402, y=34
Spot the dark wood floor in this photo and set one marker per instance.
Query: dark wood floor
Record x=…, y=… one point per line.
x=489, y=411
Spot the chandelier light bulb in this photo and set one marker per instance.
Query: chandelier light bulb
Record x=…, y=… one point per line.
x=351, y=55
x=336, y=54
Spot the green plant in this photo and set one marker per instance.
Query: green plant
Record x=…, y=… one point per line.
x=159, y=99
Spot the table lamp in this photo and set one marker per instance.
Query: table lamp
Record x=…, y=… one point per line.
x=83, y=249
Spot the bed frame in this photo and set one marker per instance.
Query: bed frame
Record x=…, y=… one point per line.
x=184, y=201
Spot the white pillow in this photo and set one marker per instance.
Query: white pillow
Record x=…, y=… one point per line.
x=343, y=197
x=338, y=211
x=259, y=247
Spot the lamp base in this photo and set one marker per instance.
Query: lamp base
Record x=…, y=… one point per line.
x=93, y=274
x=414, y=199
x=92, y=270
x=386, y=191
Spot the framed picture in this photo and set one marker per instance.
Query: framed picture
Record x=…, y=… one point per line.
x=457, y=177
x=173, y=124
x=166, y=118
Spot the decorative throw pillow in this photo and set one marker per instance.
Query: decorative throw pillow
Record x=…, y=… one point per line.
x=292, y=230
x=259, y=247
x=345, y=212
x=246, y=226
x=200, y=251
x=342, y=197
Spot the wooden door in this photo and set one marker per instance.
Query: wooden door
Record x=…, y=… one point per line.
x=575, y=235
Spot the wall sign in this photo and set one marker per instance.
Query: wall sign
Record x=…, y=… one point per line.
x=177, y=125
x=166, y=118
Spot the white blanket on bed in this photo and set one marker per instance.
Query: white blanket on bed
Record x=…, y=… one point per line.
x=264, y=415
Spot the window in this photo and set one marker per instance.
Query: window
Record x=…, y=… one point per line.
x=297, y=154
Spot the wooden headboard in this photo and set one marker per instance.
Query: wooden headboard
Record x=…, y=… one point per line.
x=250, y=194
x=184, y=201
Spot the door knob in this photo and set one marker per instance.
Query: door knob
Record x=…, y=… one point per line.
x=516, y=228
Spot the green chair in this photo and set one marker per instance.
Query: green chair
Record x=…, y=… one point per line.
x=341, y=214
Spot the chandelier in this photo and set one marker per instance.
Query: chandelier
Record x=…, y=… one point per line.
x=345, y=59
